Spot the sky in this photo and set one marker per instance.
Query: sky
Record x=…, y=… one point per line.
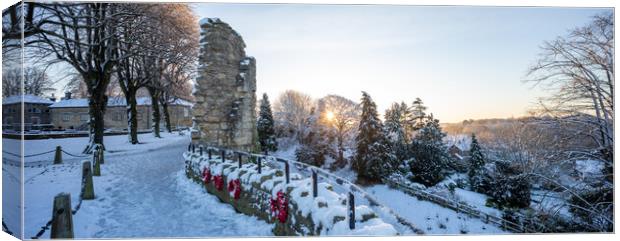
x=463, y=62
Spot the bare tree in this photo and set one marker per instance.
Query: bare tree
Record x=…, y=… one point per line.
x=291, y=110
x=579, y=70
x=35, y=81
x=83, y=36
x=341, y=116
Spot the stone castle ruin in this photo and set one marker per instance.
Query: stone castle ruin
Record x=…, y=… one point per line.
x=225, y=92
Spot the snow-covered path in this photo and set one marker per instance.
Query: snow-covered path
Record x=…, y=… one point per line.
x=141, y=194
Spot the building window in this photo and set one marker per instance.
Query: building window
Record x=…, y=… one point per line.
x=66, y=117
x=185, y=112
x=84, y=117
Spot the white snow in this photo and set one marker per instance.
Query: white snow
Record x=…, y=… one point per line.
x=430, y=217
x=26, y=99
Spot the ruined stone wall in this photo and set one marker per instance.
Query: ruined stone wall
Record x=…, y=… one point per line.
x=225, y=93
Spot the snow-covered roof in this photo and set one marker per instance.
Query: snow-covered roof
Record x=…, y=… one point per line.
x=112, y=102
x=33, y=99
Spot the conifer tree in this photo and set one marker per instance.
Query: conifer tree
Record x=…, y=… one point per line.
x=395, y=131
x=266, y=132
x=429, y=153
x=476, y=164
x=374, y=157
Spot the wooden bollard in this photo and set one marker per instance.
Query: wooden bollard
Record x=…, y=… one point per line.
x=315, y=190
x=96, y=166
x=209, y=153
x=260, y=165
x=239, y=159
x=62, y=224
x=193, y=148
x=351, y=211
x=87, y=176
x=101, y=156
x=189, y=147
x=223, y=154
x=58, y=155
x=200, y=150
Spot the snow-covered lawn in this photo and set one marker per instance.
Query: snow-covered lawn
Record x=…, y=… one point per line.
x=143, y=192
x=430, y=217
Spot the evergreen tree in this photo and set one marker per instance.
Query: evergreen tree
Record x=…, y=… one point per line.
x=417, y=114
x=266, y=132
x=429, y=153
x=395, y=131
x=476, y=164
x=374, y=158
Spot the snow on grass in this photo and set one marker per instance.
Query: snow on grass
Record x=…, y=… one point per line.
x=115, y=146
x=430, y=217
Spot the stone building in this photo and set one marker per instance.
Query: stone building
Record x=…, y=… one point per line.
x=72, y=113
x=35, y=109
x=224, y=113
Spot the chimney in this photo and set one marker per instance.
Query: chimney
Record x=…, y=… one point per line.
x=67, y=95
x=53, y=98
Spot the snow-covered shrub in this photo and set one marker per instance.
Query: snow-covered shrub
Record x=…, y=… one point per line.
x=508, y=187
x=594, y=207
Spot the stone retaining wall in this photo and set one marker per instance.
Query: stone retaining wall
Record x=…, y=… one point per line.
x=323, y=215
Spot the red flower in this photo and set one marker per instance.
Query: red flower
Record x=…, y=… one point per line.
x=219, y=182
x=206, y=175
x=234, y=186
x=279, y=207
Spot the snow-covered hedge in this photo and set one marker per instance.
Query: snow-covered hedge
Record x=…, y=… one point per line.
x=324, y=215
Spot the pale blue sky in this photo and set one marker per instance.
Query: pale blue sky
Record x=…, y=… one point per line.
x=464, y=62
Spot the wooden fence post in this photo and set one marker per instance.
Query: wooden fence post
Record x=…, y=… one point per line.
x=287, y=172
x=240, y=160
x=193, y=148
x=223, y=154
x=200, y=150
x=189, y=147
x=209, y=153
x=62, y=224
x=96, y=166
x=351, y=211
x=58, y=155
x=87, y=180
x=315, y=190
x=260, y=165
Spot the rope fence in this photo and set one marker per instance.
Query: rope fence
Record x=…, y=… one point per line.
x=61, y=223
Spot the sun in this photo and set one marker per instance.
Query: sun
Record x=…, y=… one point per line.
x=329, y=115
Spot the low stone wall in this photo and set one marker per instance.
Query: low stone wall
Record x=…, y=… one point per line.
x=324, y=215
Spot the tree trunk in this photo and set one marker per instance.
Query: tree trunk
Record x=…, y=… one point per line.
x=156, y=116
x=96, y=108
x=132, y=114
x=164, y=106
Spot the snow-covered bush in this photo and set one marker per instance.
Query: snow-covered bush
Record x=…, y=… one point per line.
x=507, y=186
x=594, y=208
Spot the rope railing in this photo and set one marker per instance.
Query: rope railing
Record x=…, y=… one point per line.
x=86, y=174
x=345, y=184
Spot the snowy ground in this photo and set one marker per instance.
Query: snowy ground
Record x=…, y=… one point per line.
x=143, y=192
x=430, y=217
